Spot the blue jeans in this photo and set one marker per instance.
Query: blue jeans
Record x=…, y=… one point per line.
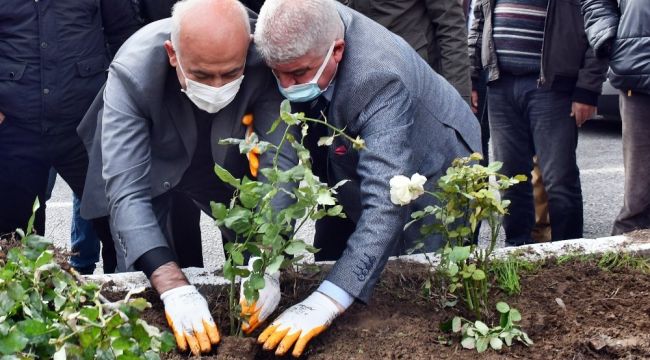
x=84, y=241
x=526, y=120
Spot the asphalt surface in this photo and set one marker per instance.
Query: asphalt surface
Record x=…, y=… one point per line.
x=600, y=160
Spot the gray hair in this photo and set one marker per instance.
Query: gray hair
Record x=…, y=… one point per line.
x=289, y=29
x=181, y=8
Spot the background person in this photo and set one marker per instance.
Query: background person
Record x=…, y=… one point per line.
x=618, y=32
x=175, y=88
x=53, y=57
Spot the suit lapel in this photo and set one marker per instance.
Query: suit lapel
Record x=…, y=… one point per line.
x=224, y=124
x=181, y=113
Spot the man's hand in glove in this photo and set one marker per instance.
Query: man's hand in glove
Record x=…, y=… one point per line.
x=255, y=313
x=299, y=324
x=189, y=318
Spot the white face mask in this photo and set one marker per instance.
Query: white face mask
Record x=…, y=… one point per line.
x=209, y=98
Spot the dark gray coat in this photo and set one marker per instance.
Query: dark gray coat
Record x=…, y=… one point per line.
x=411, y=119
x=436, y=29
x=142, y=134
x=621, y=31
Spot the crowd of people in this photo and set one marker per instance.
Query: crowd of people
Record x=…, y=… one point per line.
x=421, y=81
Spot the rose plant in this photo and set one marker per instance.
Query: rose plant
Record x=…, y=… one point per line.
x=263, y=230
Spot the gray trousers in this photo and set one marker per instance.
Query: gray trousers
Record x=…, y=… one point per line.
x=635, y=114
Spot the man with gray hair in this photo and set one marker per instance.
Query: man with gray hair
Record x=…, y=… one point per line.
x=330, y=59
x=155, y=134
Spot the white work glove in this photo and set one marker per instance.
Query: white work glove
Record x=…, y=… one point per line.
x=269, y=297
x=189, y=318
x=299, y=324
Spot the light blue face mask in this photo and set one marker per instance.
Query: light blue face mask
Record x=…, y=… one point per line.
x=310, y=90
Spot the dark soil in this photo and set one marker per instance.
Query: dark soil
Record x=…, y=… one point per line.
x=600, y=315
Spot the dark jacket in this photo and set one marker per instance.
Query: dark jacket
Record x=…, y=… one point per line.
x=620, y=31
x=434, y=28
x=568, y=62
x=154, y=10
x=53, y=57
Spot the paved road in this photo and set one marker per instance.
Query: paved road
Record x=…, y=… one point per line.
x=599, y=156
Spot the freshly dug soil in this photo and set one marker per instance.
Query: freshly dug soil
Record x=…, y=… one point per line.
x=571, y=311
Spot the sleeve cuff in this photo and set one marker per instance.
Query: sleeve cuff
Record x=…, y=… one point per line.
x=153, y=259
x=339, y=295
x=585, y=96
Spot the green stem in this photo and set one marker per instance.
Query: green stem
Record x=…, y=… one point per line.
x=233, y=327
x=334, y=128
x=277, y=151
x=304, y=220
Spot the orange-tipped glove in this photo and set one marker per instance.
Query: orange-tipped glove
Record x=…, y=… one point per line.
x=299, y=324
x=189, y=318
x=268, y=300
x=253, y=155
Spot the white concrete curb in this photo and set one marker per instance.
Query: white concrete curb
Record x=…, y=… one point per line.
x=202, y=276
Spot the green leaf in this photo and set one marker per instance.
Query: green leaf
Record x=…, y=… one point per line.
x=452, y=270
x=122, y=343
x=228, y=270
x=238, y=220
x=256, y=281
x=90, y=313
x=167, y=342
x=219, y=210
x=30, y=223
x=515, y=315
x=274, y=125
x=481, y=327
x=295, y=247
x=140, y=304
x=478, y=275
x=459, y=253
x=45, y=258
x=249, y=195
x=335, y=210
x=226, y=176
x=14, y=342
x=275, y=264
x=468, y=343
x=482, y=344
x=237, y=257
x=456, y=324
x=502, y=307
x=496, y=343
x=324, y=197
x=32, y=328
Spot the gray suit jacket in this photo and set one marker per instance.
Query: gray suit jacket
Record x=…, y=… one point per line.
x=142, y=134
x=411, y=119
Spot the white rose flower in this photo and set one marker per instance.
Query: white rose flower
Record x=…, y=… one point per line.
x=399, y=190
x=404, y=190
x=417, y=185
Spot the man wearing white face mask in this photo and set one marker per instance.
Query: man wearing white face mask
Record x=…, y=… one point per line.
x=330, y=59
x=175, y=88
